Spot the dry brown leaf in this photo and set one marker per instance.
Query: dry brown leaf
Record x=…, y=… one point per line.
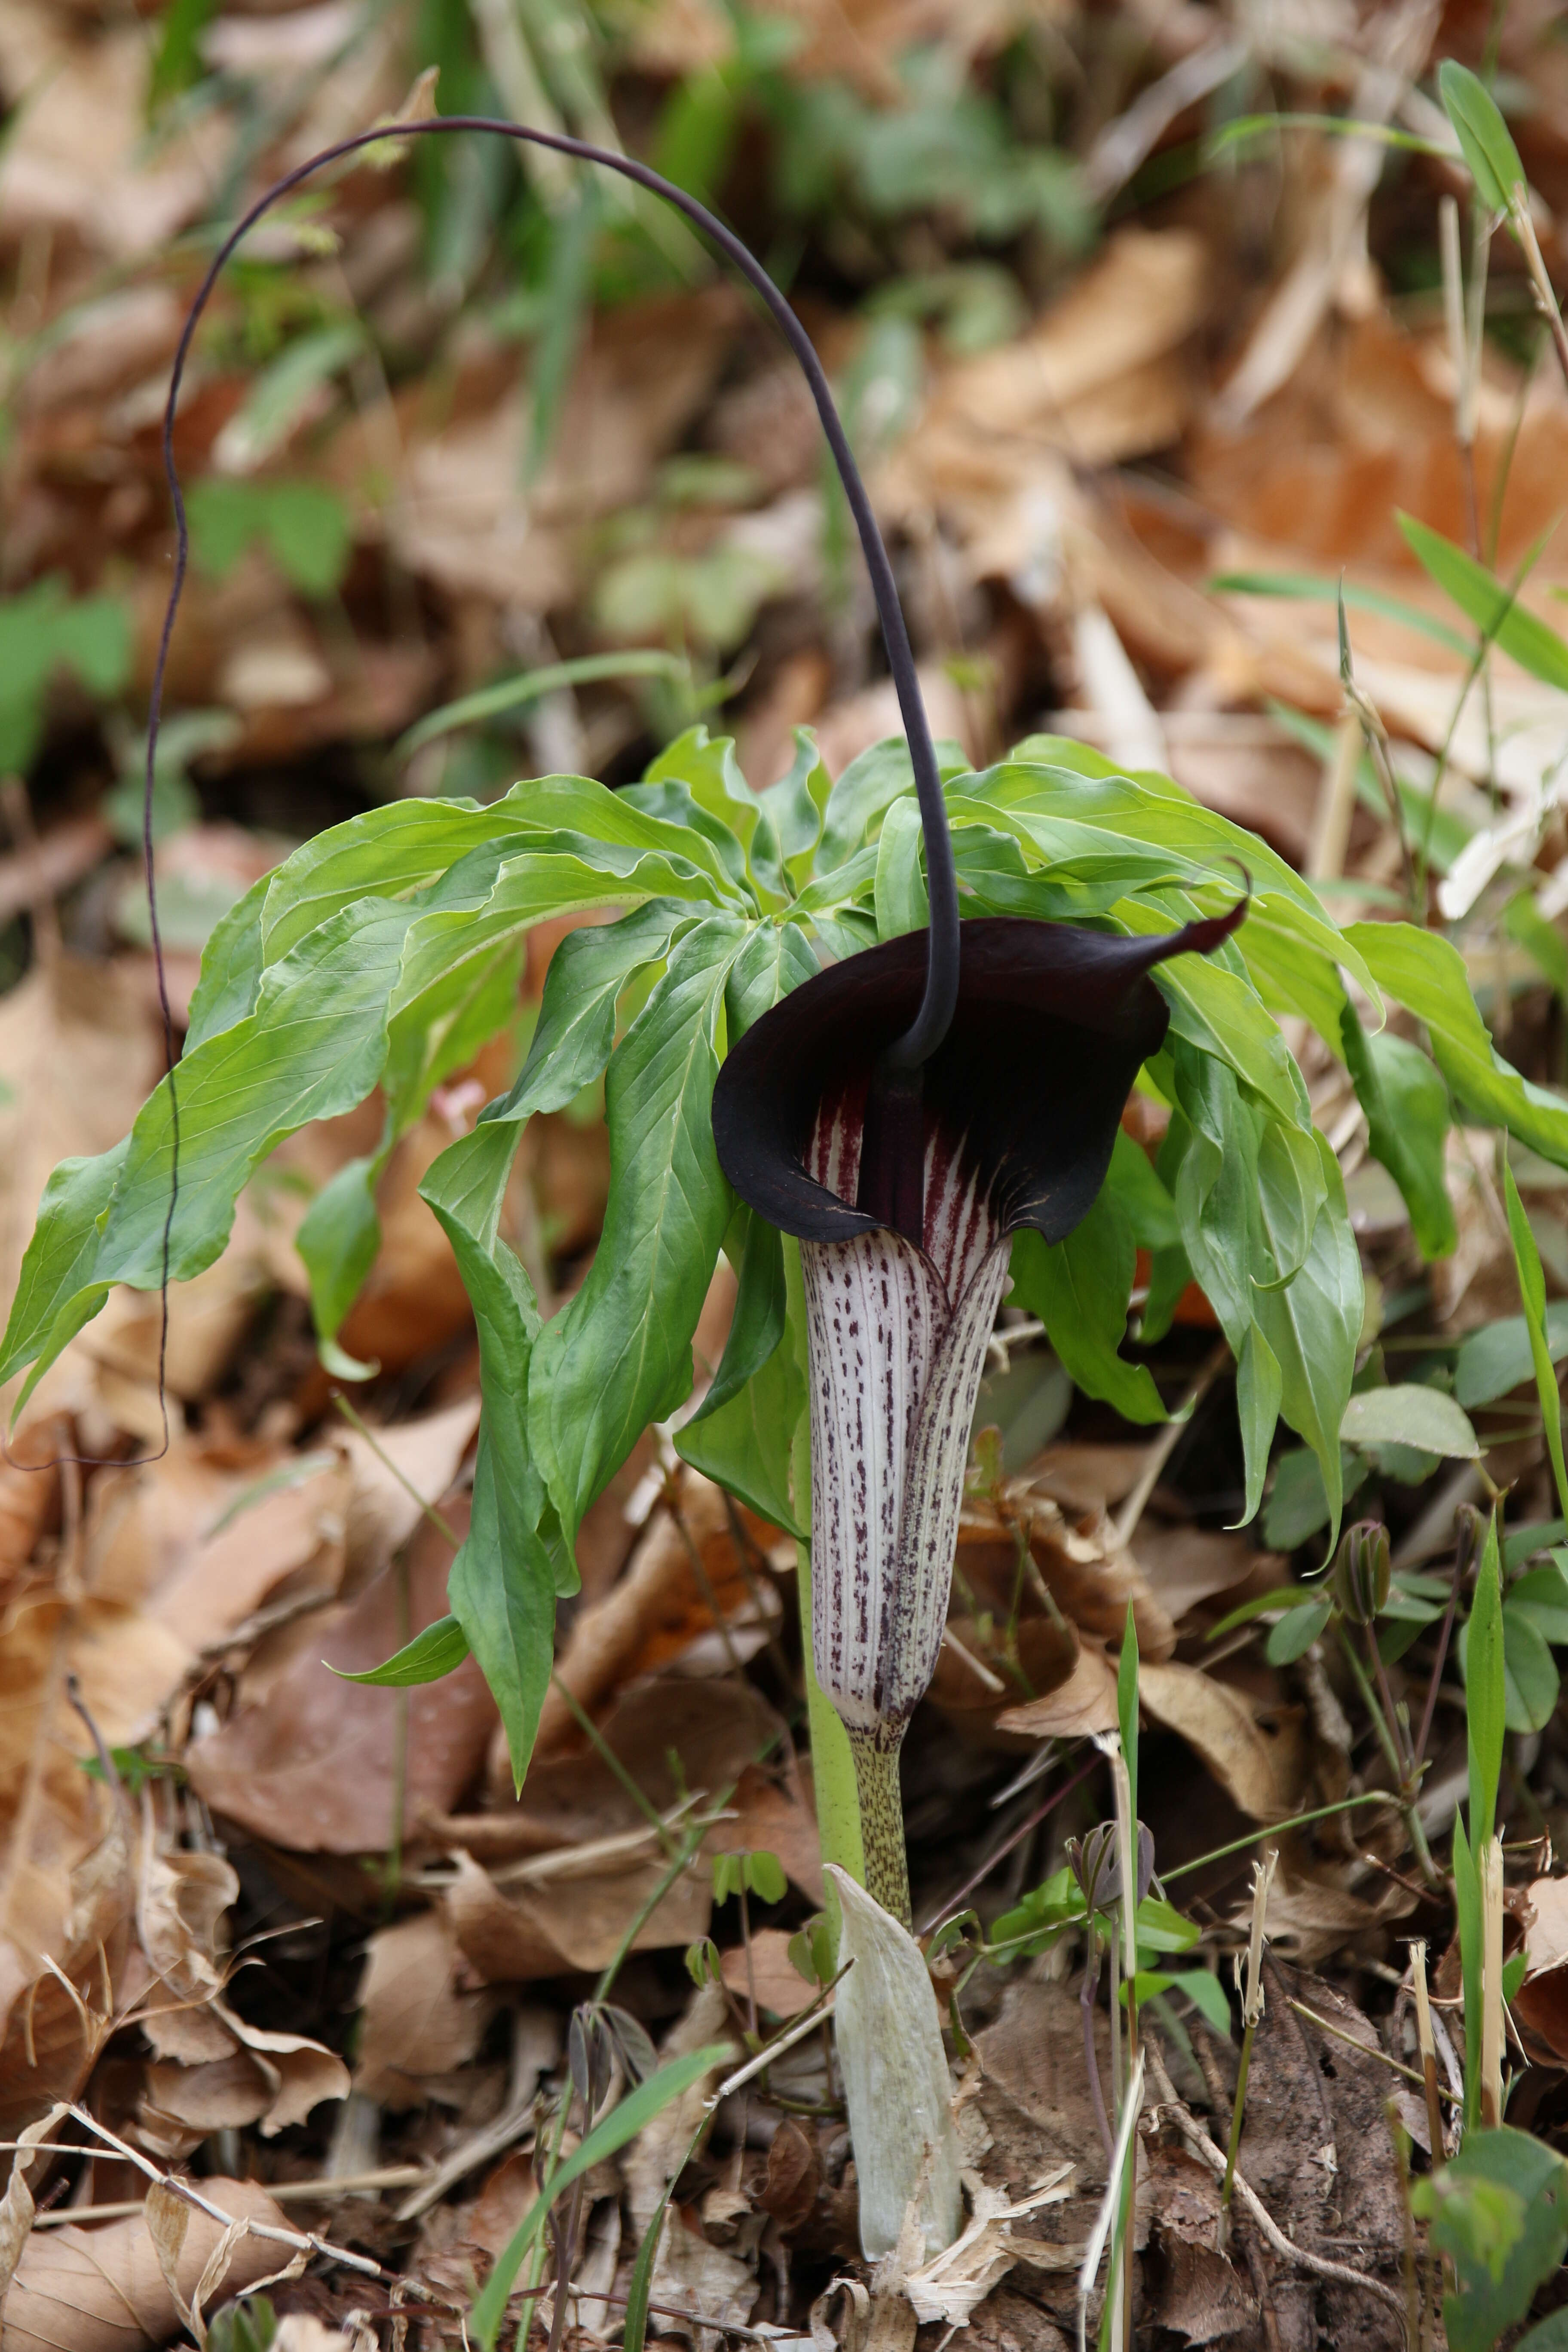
x=769, y=1818
x=1257, y=1756
x=1089, y=1573
x=768, y=1975
x=977, y=1681
x=17, y=2206
x=1540, y=2003
x=1084, y=1703
x=575, y=1916
x=414, y=2019
x=309, y=1761
x=657, y=1609
x=103, y=2289
x=1186, y=1565
x=428, y=1454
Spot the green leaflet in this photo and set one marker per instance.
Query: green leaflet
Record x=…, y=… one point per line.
x=868, y=786
x=774, y=959
x=620, y=1355
x=1428, y=976
x=1306, y=1324
x=1079, y=1290
x=313, y=1047
x=1259, y=1392
x=1406, y=1106
x=501, y=1589
x=575, y=1033
x=899, y=890
x=439, y=1650
x=743, y=1433
x=1135, y=1184
x=1313, y=1326
x=504, y=1581
x=740, y=1436
x=1532, y=1296
x=401, y=847
x=338, y=1238
x=795, y=807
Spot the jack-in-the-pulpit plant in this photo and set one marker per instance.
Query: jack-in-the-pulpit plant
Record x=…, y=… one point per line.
x=905, y=1224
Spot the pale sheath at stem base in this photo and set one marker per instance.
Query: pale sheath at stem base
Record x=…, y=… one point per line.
x=888, y=2030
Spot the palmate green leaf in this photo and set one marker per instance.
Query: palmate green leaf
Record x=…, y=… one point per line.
x=1494, y=608
x=1406, y=1106
x=1079, y=1290
x=1428, y=977
x=620, y=1355
x=1484, y=137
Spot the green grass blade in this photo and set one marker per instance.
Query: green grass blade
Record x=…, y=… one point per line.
x=623, y=2123
x=1532, y=1294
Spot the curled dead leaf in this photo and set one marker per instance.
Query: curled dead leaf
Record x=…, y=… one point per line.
x=1258, y=1756
x=105, y=2290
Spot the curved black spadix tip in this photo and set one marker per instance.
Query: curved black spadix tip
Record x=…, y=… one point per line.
x=1012, y=1119
x=930, y=1018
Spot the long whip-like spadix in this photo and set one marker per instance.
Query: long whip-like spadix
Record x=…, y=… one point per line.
x=931, y=1022
x=909, y=1053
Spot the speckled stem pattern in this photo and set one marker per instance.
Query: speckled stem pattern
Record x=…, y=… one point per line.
x=876, y=1755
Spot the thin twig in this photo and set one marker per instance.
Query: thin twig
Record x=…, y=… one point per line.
x=1203, y=2149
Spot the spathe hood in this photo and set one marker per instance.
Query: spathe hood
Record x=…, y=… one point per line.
x=1013, y=1116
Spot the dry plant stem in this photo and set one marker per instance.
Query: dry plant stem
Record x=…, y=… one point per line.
x=1165, y=1445
x=1338, y=2033
x=876, y=1755
x=282, y=2192
x=1203, y=2149
x=1414, y=2316
x=607, y=1756
x=1386, y=1740
x=1426, y=2043
x=1540, y=283
x=1087, y=1991
x=1445, y=1634
x=299, y=2241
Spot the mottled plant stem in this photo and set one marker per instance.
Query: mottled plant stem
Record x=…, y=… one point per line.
x=876, y=1755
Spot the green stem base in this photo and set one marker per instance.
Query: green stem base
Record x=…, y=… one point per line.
x=876, y=1755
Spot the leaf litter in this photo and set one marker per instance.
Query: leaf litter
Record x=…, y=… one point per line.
x=302, y=1930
